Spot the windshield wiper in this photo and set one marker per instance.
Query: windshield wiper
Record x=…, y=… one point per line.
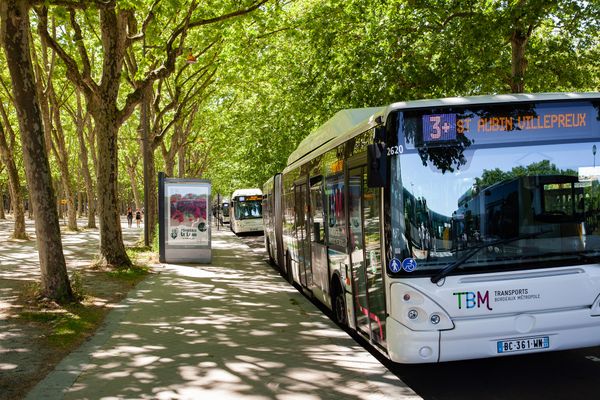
x=474, y=250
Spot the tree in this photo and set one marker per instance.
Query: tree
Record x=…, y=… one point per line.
x=284, y=76
x=14, y=183
x=119, y=30
x=2, y=213
x=82, y=123
x=162, y=110
x=8, y=148
x=52, y=106
x=15, y=30
x=544, y=167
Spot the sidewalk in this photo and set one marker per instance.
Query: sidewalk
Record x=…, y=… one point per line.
x=230, y=330
x=26, y=354
x=19, y=259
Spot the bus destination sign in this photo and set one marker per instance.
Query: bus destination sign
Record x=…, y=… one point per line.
x=250, y=198
x=531, y=123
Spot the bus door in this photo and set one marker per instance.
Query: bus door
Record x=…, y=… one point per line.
x=302, y=232
x=320, y=272
x=364, y=222
x=278, y=220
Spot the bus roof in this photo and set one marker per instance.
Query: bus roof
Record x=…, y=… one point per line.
x=341, y=123
x=346, y=124
x=493, y=99
x=246, y=192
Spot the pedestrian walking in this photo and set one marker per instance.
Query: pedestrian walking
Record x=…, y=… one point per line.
x=129, y=217
x=138, y=217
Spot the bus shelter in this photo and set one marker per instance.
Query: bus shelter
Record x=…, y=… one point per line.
x=184, y=220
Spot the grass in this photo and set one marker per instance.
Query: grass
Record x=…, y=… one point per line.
x=142, y=255
x=132, y=274
x=65, y=326
x=68, y=325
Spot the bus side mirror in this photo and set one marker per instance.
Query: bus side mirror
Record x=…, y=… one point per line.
x=379, y=134
x=377, y=165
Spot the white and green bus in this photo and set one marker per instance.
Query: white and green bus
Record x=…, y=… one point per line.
x=449, y=229
x=223, y=212
x=245, y=211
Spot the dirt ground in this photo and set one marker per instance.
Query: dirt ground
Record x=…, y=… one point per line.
x=29, y=346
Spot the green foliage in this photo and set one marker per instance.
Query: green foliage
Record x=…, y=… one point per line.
x=155, y=242
x=77, y=285
x=544, y=167
x=287, y=67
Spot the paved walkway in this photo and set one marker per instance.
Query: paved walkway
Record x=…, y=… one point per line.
x=19, y=258
x=22, y=351
x=230, y=330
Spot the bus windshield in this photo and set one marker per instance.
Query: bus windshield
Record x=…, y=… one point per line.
x=225, y=209
x=250, y=209
x=496, y=189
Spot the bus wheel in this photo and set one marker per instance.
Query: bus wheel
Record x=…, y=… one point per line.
x=339, y=305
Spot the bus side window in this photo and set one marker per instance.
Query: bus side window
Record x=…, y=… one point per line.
x=318, y=213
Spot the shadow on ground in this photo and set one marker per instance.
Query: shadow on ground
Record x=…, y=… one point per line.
x=233, y=329
x=25, y=356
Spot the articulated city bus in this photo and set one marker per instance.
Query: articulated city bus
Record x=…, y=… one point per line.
x=222, y=210
x=245, y=213
x=272, y=219
x=448, y=229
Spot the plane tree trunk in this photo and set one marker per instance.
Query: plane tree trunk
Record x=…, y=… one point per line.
x=14, y=183
x=85, y=164
x=15, y=40
x=518, y=43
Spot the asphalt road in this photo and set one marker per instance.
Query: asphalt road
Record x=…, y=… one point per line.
x=571, y=374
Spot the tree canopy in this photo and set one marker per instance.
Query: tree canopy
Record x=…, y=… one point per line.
x=226, y=90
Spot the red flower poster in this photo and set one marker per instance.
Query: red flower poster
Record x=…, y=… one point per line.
x=188, y=215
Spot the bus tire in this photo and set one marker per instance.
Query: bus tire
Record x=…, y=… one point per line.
x=338, y=303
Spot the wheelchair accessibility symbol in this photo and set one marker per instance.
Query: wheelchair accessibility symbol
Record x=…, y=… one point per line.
x=409, y=264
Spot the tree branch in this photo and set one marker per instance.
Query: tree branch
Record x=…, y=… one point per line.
x=224, y=17
x=11, y=132
x=142, y=33
x=78, y=38
x=7, y=89
x=79, y=4
x=450, y=17
x=84, y=83
x=163, y=71
x=168, y=66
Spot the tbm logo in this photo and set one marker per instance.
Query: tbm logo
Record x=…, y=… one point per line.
x=472, y=299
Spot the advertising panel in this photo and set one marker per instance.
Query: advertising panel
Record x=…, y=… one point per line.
x=187, y=215
x=184, y=208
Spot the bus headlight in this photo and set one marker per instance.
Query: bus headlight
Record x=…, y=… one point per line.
x=596, y=307
x=416, y=311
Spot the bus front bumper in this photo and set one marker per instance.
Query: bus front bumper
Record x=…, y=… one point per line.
x=494, y=337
